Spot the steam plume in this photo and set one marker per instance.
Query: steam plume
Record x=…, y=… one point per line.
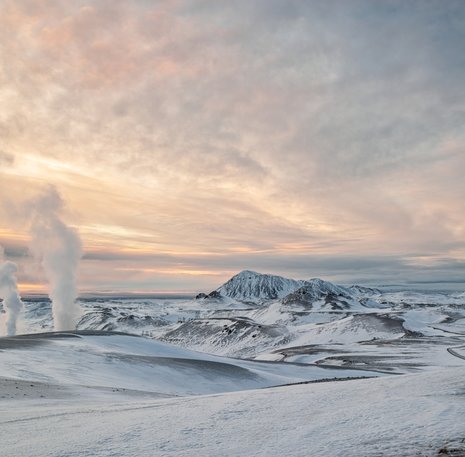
x=58, y=248
x=9, y=293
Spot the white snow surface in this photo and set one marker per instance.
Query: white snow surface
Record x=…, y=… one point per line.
x=409, y=415
x=260, y=328
x=85, y=394
x=140, y=364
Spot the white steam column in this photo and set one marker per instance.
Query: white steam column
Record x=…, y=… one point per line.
x=58, y=248
x=12, y=303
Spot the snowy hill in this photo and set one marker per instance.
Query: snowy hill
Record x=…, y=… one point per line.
x=232, y=337
x=410, y=415
x=330, y=295
x=363, y=291
x=252, y=286
x=103, y=360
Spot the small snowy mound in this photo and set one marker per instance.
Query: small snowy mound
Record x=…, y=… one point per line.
x=327, y=294
x=109, y=319
x=353, y=328
x=234, y=337
x=362, y=291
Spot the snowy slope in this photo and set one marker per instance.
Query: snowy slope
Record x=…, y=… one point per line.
x=85, y=394
x=121, y=361
x=245, y=337
x=234, y=337
x=319, y=294
x=354, y=328
x=410, y=415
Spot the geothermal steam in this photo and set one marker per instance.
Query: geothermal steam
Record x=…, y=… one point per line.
x=58, y=248
x=12, y=303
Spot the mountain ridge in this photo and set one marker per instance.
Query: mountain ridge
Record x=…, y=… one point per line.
x=251, y=286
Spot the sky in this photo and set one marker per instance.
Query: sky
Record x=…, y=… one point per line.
x=190, y=140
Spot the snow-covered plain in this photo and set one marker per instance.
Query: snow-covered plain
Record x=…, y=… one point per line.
x=383, y=371
x=407, y=415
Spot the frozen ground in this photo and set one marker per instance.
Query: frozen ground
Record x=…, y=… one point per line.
x=98, y=360
x=260, y=329
x=202, y=380
x=409, y=415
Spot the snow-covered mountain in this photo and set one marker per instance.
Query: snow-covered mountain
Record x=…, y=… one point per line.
x=252, y=286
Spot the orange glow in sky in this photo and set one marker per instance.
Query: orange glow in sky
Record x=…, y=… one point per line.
x=191, y=140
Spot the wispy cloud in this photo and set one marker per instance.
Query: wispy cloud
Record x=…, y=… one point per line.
x=219, y=127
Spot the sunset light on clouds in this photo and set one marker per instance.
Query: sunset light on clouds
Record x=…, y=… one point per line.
x=193, y=139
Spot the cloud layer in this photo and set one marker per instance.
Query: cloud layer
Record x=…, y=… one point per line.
x=309, y=138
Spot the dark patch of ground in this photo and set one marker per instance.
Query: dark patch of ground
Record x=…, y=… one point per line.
x=454, y=448
x=34, y=339
x=207, y=367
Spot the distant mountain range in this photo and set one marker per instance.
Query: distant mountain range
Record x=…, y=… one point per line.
x=271, y=317
x=257, y=288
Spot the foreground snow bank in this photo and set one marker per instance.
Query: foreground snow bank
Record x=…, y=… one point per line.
x=405, y=415
x=97, y=360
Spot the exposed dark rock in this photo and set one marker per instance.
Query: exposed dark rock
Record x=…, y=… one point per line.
x=214, y=294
